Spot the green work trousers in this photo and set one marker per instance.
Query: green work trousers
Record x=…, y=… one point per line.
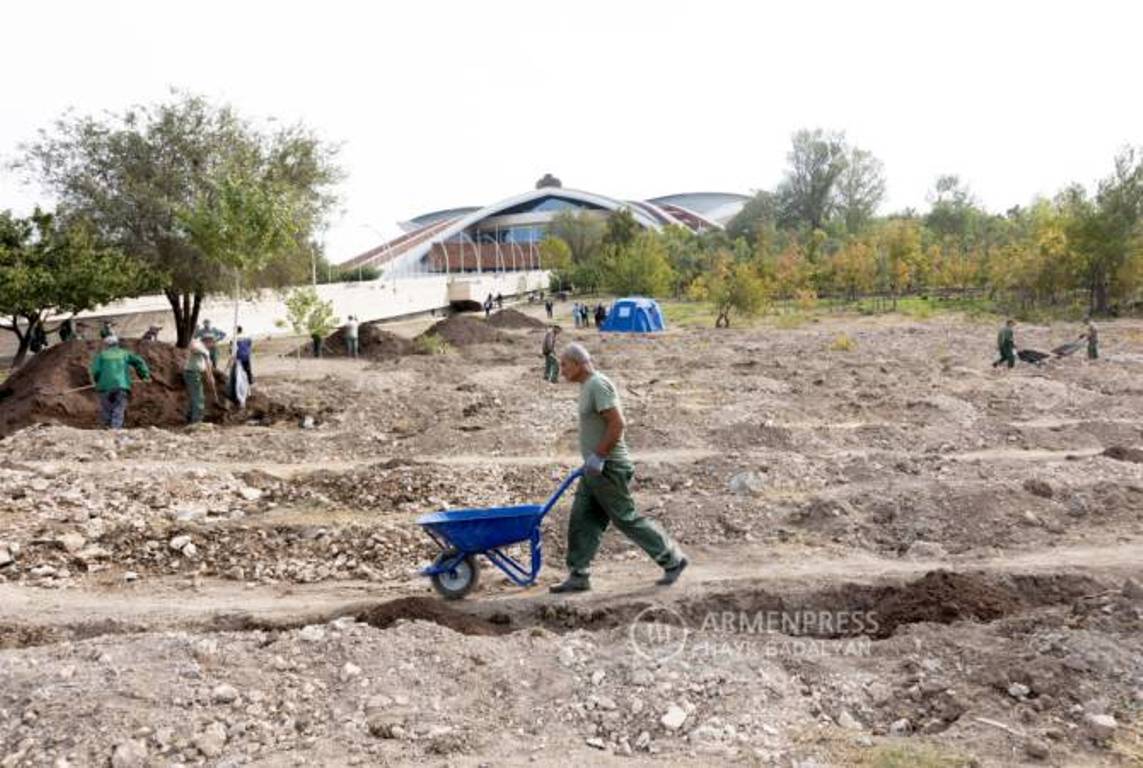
x=604, y=499
x=1007, y=355
x=551, y=368
x=197, y=405
x=1092, y=351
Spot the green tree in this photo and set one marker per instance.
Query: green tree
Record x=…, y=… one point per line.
x=308, y=315
x=50, y=265
x=639, y=269
x=621, y=229
x=144, y=176
x=1106, y=231
x=816, y=161
x=582, y=231
x=860, y=189
x=730, y=285
x=760, y=214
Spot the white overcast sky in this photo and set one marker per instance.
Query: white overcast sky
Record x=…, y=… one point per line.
x=441, y=104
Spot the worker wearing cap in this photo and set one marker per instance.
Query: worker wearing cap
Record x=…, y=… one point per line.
x=110, y=372
x=1006, y=343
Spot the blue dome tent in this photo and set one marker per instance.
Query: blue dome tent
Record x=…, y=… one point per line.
x=634, y=314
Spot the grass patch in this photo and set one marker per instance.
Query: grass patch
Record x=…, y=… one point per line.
x=912, y=756
x=688, y=314
x=788, y=321
x=431, y=344
x=843, y=342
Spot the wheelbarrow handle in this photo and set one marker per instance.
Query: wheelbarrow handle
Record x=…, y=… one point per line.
x=575, y=475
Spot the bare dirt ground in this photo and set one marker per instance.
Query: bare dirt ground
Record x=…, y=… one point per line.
x=901, y=556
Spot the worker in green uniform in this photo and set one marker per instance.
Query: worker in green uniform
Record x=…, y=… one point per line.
x=110, y=372
x=1006, y=342
x=198, y=367
x=1092, y=336
x=548, y=349
x=602, y=496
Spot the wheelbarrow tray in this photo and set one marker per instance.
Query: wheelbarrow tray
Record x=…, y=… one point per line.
x=478, y=530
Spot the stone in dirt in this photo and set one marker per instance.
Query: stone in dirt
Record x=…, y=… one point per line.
x=212, y=740
x=179, y=542
x=1132, y=589
x=900, y=727
x=747, y=483
x=72, y=542
x=5, y=555
x=224, y=694
x=926, y=550
x=673, y=718
x=1019, y=691
x=129, y=754
x=849, y=722
x=1100, y=727
x=1039, y=488
x=1037, y=749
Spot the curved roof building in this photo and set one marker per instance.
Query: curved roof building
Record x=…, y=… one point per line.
x=505, y=236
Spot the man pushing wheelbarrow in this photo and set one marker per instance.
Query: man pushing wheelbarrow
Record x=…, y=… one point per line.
x=601, y=498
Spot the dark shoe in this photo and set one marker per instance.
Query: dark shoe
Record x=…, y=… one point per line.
x=573, y=583
x=671, y=575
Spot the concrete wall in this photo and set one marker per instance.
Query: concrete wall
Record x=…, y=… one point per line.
x=375, y=300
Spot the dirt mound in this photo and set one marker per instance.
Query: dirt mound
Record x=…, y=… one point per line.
x=372, y=343
x=44, y=390
x=430, y=609
x=511, y=318
x=464, y=331
x=1120, y=453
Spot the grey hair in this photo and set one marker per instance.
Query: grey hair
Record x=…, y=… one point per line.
x=576, y=353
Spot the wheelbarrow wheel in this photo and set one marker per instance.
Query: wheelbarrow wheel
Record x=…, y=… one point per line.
x=458, y=582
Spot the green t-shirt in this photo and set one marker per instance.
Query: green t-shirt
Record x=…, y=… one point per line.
x=595, y=395
x=110, y=369
x=1004, y=339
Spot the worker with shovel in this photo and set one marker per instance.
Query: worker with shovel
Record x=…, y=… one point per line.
x=602, y=496
x=110, y=373
x=197, y=368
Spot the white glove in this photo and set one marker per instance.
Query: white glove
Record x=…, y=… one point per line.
x=593, y=465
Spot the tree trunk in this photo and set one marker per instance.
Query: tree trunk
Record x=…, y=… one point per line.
x=1099, y=298
x=24, y=340
x=185, y=307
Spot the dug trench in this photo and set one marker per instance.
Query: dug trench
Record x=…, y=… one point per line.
x=847, y=610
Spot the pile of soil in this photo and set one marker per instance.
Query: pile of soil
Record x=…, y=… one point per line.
x=464, y=331
x=41, y=391
x=372, y=343
x=511, y=318
x=1120, y=453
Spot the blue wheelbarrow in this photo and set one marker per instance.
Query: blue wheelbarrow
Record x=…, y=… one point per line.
x=462, y=534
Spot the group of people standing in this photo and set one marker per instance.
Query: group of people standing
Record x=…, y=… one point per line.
x=583, y=315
